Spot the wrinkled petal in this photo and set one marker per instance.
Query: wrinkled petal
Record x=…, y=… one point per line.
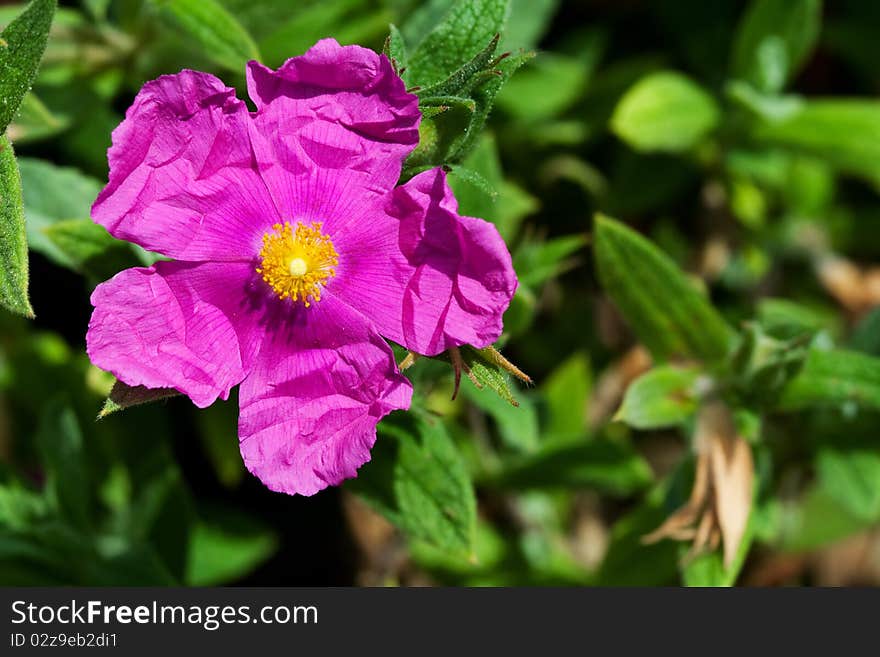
x=310, y=407
x=331, y=131
x=182, y=178
x=177, y=325
x=427, y=277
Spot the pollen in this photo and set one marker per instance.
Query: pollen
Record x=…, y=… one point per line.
x=297, y=261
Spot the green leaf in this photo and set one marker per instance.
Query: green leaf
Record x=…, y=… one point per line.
x=61, y=448
x=21, y=48
x=21, y=507
x=814, y=520
x=788, y=319
x=35, y=121
x=866, y=335
x=138, y=565
x=227, y=549
x=773, y=39
x=97, y=8
x=549, y=85
x=664, y=111
x=52, y=194
x=52, y=554
x=42, y=554
x=369, y=25
x=123, y=396
x=218, y=432
x=664, y=397
x=464, y=31
x=90, y=248
x=517, y=425
x=161, y=513
x=504, y=203
x=537, y=261
x=417, y=480
x=567, y=392
x=843, y=132
x=660, y=303
x=424, y=18
x=13, y=240
x=656, y=562
x=766, y=106
x=76, y=48
x=490, y=549
x=396, y=48
x=220, y=35
x=527, y=23
x=851, y=476
x=293, y=32
x=608, y=467
x=835, y=378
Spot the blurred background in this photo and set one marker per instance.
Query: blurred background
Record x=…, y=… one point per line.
x=779, y=222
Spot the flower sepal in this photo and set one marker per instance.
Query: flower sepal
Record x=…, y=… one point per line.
x=455, y=107
x=124, y=396
x=486, y=368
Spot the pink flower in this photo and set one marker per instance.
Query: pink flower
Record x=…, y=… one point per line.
x=293, y=255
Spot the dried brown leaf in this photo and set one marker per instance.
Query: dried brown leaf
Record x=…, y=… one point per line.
x=856, y=288
x=733, y=475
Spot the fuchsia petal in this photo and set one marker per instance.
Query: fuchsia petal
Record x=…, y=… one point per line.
x=310, y=407
x=331, y=131
x=182, y=178
x=429, y=278
x=176, y=325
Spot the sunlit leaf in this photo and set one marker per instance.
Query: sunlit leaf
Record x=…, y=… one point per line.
x=666, y=396
x=664, y=111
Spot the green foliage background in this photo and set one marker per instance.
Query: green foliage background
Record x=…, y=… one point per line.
x=690, y=193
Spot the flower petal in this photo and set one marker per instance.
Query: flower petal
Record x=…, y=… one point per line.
x=177, y=325
x=310, y=407
x=182, y=177
x=331, y=131
x=428, y=278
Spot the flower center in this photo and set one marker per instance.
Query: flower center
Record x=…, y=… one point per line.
x=296, y=262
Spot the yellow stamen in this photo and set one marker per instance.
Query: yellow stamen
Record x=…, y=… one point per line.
x=296, y=262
